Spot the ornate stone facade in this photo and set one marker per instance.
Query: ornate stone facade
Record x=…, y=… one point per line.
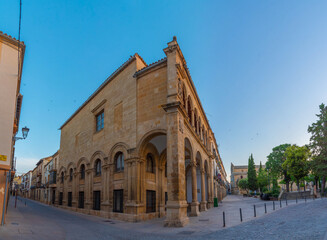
x=141, y=146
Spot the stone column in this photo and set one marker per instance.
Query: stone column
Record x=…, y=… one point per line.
x=110, y=186
x=195, y=203
x=105, y=188
x=203, y=203
x=87, y=190
x=134, y=195
x=74, y=189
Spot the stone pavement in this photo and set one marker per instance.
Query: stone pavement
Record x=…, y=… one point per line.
x=297, y=221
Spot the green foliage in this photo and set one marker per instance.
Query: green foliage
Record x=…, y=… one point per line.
x=296, y=163
x=243, y=184
x=318, y=143
x=275, y=161
x=262, y=179
x=273, y=193
x=252, y=175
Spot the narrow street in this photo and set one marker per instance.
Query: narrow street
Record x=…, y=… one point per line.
x=305, y=220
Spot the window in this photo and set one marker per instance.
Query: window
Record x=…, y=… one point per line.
x=62, y=177
x=61, y=196
x=189, y=110
x=81, y=199
x=99, y=121
x=149, y=163
x=118, y=200
x=53, y=196
x=97, y=167
x=119, y=159
x=82, y=171
x=96, y=200
x=166, y=169
x=70, y=196
x=150, y=201
x=71, y=174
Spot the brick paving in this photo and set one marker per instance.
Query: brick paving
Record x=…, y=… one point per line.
x=296, y=221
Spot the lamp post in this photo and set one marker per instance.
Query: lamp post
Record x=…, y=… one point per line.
x=25, y=131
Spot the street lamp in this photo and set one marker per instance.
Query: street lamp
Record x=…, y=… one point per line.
x=25, y=131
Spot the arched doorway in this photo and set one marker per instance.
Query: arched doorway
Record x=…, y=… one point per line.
x=153, y=177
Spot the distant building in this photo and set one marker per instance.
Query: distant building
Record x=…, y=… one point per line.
x=11, y=66
x=237, y=173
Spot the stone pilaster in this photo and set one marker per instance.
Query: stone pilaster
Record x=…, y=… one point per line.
x=195, y=203
x=203, y=204
x=88, y=188
x=105, y=188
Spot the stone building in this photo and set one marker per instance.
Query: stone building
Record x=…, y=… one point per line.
x=140, y=146
x=53, y=177
x=11, y=65
x=237, y=173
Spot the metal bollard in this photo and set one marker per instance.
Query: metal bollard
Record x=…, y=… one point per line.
x=286, y=201
x=241, y=215
x=265, y=208
x=313, y=196
x=255, y=213
x=25, y=203
x=280, y=203
x=274, y=205
x=224, y=219
x=296, y=199
x=305, y=198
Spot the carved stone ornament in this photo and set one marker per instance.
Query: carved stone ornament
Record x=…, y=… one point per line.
x=181, y=125
x=180, y=89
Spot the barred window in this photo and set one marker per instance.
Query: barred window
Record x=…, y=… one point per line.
x=96, y=200
x=81, y=200
x=150, y=201
x=70, y=196
x=118, y=200
x=62, y=177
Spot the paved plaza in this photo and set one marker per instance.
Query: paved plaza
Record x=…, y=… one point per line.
x=304, y=220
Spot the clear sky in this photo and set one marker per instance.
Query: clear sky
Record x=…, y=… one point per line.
x=260, y=67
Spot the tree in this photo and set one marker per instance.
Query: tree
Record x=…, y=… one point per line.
x=318, y=145
x=296, y=162
x=274, y=164
x=252, y=175
x=262, y=179
x=243, y=184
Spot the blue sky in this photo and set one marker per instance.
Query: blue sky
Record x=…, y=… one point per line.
x=260, y=67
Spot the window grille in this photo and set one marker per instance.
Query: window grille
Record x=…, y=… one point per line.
x=150, y=201
x=118, y=200
x=96, y=200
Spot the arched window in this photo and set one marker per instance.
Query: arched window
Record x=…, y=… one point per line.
x=166, y=169
x=119, y=160
x=149, y=163
x=82, y=171
x=97, y=167
x=184, y=95
x=189, y=110
x=196, y=121
x=71, y=174
x=62, y=177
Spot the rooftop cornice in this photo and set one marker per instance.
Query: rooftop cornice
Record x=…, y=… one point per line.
x=150, y=66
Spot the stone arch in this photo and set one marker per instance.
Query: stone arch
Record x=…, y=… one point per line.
x=82, y=160
x=147, y=138
x=118, y=147
x=199, y=168
x=97, y=155
x=71, y=165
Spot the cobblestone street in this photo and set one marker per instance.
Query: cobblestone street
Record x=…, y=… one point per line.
x=305, y=220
